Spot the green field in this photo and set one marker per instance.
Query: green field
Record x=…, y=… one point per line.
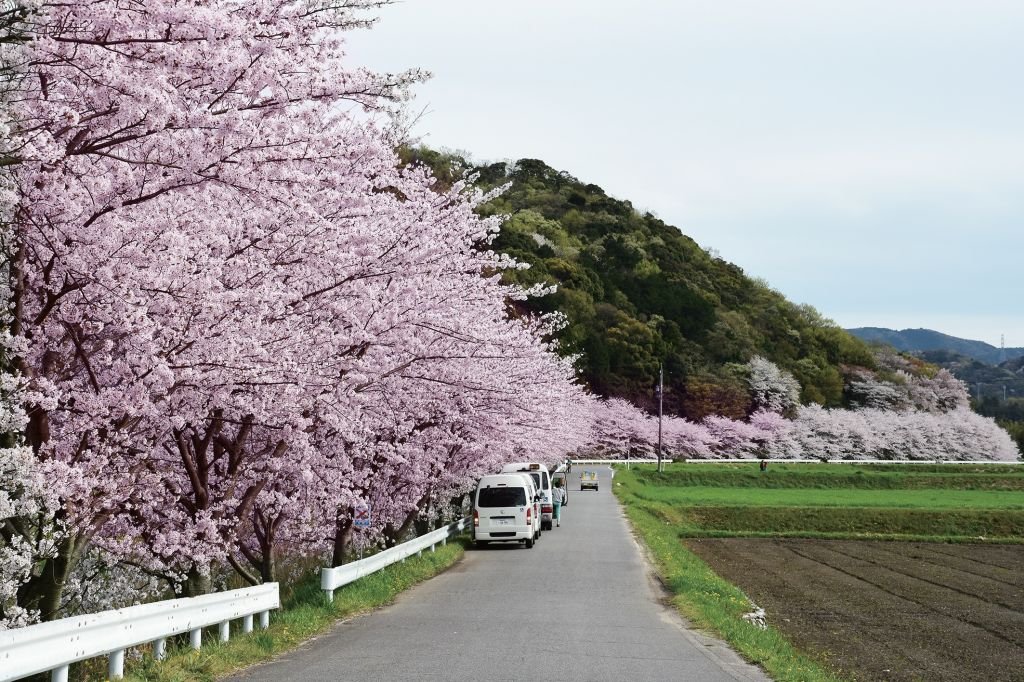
x=950, y=503
x=931, y=503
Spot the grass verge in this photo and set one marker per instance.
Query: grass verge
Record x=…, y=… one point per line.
x=838, y=476
x=716, y=605
x=707, y=600
x=304, y=613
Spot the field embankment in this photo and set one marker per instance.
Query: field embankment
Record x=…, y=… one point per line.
x=875, y=573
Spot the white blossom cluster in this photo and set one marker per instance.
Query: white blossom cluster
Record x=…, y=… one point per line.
x=771, y=388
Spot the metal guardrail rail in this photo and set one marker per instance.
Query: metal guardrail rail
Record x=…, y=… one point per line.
x=619, y=461
x=55, y=645
x=339, y=576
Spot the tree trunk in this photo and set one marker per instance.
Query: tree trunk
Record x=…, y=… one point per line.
x=342, y=539
x=457, y=505
x=44, y=589
x=197, y=583
x=268, y=569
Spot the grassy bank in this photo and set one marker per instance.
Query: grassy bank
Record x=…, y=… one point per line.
x=712, y=603
x=839, y=476
x=305, y=613
x=937, y=498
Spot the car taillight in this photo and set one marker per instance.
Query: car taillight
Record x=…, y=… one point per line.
x=476, y=518
x=529, y=515
x=547, y=509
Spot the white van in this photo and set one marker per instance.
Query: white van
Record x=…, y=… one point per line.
x=535, y=496
x=504, y=510
x=542, y=479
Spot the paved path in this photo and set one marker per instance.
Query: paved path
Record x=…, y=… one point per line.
x=580, y=605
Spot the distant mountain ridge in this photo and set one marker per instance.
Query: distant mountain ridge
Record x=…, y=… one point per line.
x=923, y=340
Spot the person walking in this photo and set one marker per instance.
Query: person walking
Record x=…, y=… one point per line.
x=558, y=497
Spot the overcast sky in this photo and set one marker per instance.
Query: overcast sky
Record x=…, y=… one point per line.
x=864, y=157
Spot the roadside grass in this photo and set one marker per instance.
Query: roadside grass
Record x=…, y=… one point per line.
x=936, y=498
x=838, y=476
x=713, y=604
x=954, y=503
x=304, y=613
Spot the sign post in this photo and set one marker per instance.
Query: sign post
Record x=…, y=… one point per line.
x=361, y=519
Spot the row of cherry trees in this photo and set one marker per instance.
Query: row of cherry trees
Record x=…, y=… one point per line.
x=913, y=417
x=234, y=315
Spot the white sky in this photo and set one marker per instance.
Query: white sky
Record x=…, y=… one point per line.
x=865, y=157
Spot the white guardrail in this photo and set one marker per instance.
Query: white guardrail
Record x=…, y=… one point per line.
x=54, y=646
x=333, y=578
x=665, y=460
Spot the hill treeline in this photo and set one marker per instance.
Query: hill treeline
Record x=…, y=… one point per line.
x=637, y=291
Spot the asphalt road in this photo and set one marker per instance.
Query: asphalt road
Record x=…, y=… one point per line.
x=581, y=605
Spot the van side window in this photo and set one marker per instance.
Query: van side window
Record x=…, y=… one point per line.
x=547, y=484
x=501, y=497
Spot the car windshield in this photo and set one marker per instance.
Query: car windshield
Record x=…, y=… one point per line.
x=501, y=497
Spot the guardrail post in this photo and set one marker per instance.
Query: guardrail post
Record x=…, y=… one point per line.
x=160, y=649
x=264, y=620
x=225, y=630
x=59, y=674
x=195, y=638
x=330, y=595
x=115, y=664
x=247, y=623
x=433, y=548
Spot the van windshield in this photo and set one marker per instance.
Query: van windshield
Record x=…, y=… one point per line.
x=501, y=497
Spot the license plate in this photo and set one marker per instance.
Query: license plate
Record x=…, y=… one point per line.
x=503, y=521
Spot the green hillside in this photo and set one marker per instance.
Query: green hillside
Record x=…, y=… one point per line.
x=637, y=291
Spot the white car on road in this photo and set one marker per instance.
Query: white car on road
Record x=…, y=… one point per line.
x=505, y=510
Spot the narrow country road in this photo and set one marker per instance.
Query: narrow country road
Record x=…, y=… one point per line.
x=580, y=605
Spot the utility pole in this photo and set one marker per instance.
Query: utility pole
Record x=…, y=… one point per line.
x=661, y=391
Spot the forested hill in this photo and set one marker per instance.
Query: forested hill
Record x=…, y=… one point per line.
x=637, y=290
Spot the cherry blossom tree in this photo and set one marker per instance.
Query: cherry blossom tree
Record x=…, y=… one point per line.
x=228, y=289
x=772, y=388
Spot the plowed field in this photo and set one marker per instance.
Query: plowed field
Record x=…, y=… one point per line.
x=887, y=610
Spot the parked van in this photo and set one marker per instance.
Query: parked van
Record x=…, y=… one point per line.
x=535, y=496
x=542, y=479
x=504, y=510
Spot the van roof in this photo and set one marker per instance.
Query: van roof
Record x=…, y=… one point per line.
x=524, y=466
x=497, y=480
